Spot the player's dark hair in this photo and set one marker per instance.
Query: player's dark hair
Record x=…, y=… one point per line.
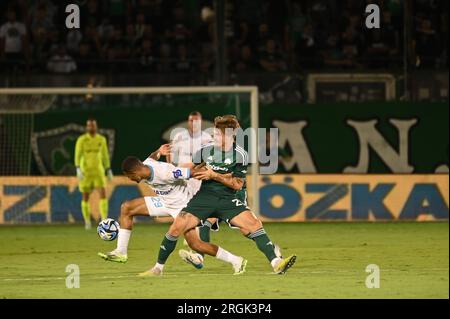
x=194, y=113
x=91, y=119
x=130, y=164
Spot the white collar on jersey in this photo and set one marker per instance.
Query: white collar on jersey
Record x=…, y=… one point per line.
x=152, y=173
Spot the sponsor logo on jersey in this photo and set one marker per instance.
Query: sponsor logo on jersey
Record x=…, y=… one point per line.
x=217, y=168
x=157, y=192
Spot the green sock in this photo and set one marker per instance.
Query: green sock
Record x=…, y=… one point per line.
x=103, y=205
x=86, y=211
x=204, y=232
x=264, y=244
x=167, y=247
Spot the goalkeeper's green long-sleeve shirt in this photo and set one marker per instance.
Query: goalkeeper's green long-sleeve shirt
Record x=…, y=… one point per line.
x=91, y=154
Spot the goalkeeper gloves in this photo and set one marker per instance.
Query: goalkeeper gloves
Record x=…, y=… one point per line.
x=80, y=175
x=109, y=173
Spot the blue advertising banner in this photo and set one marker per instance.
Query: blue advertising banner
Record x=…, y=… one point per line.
x=284, y=197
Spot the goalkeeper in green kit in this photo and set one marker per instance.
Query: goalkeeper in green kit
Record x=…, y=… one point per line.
x=92, y=163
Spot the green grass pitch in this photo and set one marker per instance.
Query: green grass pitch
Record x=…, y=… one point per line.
x=332, y=257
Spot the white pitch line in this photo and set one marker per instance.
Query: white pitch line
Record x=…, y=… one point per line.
x=174, y=274
x=59, y=278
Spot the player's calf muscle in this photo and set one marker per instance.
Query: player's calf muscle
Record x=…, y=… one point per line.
x=178, y=226
x=129, y=209
x=202, y=247
x=126, y=220
x=198, y=245
x=132, y=207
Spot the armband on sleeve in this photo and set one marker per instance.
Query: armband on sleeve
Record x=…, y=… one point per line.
x=181, y=173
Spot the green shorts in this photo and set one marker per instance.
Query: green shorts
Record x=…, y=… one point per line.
x=89, y=182
x=207, y=204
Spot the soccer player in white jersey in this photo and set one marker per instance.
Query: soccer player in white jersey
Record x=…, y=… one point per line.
x=185, y=144
x=188, y=141
x=174, y=189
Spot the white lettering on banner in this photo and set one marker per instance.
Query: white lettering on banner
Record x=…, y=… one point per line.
x=370, y=137
x=442, y=169
x=291, y=133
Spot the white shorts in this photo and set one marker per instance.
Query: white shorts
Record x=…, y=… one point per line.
x=156, y=207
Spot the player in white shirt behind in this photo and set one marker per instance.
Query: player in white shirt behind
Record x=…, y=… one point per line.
x=185, y=143
x=174, y=189
x=188, y=141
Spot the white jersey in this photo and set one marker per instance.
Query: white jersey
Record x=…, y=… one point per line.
x=171, y=184
x=185, y=145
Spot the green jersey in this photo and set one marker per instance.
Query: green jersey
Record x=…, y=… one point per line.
x=242, y=194
x=233, y=161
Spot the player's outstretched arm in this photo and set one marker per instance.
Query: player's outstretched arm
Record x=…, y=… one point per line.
x=228, y=180
x=163, y=150
x=235, y=183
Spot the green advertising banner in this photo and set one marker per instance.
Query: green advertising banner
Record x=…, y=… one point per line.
x=313, y=138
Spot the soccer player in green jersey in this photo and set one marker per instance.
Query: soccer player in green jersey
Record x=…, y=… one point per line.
x=223, y=176
x=196, y=258
x=92, y=163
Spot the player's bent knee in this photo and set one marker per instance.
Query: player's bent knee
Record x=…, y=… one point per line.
x=175, y=229
x=174, y=232
x=254, y=225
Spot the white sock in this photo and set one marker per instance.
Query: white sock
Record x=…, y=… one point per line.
x=122, y=241
x=275, y=262
x=159, y=266
x=226, y=256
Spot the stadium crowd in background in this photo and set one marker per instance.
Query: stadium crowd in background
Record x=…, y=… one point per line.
x=170, y=36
